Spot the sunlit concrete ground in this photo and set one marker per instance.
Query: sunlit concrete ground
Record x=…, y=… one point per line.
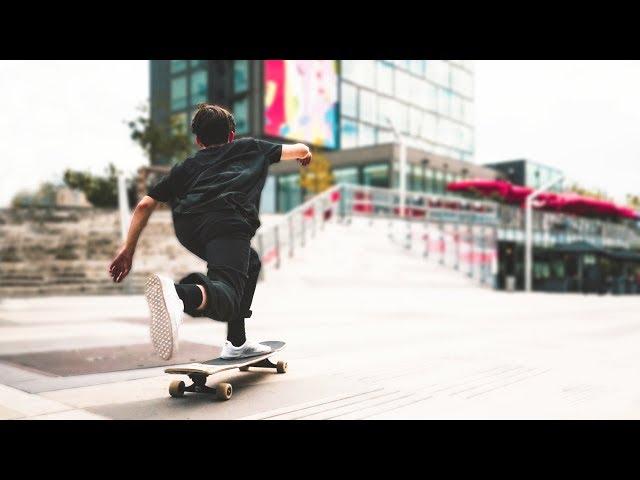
x=373, y=332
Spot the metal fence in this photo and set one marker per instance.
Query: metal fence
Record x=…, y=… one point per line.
x=556, y=228
x=457, y=232
x=296, y=227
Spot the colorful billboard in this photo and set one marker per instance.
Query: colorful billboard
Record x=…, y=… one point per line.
x=301, y=101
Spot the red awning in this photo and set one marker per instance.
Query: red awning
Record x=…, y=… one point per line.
x=558, y=202
x=482, y=186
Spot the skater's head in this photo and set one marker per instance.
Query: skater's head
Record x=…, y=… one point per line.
x=213, y=125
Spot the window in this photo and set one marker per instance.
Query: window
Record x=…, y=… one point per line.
x=241, y=115
x=177, y=66
x=444, y=102
x=467, y=139
x=268, y=196
x=428, y=129
x=240, y=76
x=415, y=178
x=385, y=136
x=376, y=175
x=346, y=175
x=461, y=81
x=438, y=72
x=403, y=86
x=362, y=72
x=426, y=96
x=385, y=110
x=366, y=135
x=196, y=63
x=467, y=113
x=349, y=134
x=457, y=136
x=456, y=107
x=349, y=98
x=199, y=87
x=289, y=192
x=429, y=180
x=403, y=64
x=179, y=93
x=384, y=78
x=446, y=132
x=400, y=116
x=415, y=121
x=368, y=102
x=438, y=183
x=417, y=67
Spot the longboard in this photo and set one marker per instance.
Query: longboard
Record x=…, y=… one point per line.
x=198, y=372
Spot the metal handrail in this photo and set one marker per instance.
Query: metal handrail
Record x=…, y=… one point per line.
x=271, y=240
x=339, y=202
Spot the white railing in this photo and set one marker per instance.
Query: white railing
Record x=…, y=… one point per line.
x=295, y=227
x=460, y=233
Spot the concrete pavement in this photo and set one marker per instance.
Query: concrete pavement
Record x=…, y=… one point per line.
x=373, y=332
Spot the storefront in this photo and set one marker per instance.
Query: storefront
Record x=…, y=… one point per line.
x=576, y=267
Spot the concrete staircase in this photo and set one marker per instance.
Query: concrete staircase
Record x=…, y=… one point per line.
x=72, y=256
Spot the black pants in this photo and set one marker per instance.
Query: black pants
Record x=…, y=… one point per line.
x=232, y=275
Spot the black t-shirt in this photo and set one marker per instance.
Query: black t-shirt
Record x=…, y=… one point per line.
x=218, y=185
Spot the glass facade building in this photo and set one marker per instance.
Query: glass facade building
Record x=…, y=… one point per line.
x=528, y=173
x=429, y=101
x=352, y=103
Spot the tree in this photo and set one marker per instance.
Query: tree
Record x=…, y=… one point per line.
x=633, y=201
x=318, y=176
x=45, y=196
x=101, y=191
x=580, y=190
x=157, y=141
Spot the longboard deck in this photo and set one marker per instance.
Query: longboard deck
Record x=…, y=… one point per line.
x=217, y=365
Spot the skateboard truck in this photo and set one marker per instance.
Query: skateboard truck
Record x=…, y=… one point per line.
x=223, y=391
x=280, y=367
x=198, y=373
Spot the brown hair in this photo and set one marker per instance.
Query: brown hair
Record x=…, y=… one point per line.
x=212, y=124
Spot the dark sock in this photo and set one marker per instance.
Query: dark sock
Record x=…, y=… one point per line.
x=190, y=294
x=235, y=332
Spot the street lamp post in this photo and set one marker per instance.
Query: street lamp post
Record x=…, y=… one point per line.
x=402, y=184
x=528, y=236
x=123, y=206
x=402, y=167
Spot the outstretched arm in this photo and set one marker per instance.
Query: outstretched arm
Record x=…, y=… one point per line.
x=121, y=264
x=298, y=151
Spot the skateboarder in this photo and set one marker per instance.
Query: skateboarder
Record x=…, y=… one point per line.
x=215, y=199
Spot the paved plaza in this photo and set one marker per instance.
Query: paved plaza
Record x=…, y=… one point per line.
x=373, y=332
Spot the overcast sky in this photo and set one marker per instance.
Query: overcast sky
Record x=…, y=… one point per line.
x=580, y=116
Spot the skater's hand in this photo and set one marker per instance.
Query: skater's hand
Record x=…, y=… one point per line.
x=306, y=160
x=121, y=264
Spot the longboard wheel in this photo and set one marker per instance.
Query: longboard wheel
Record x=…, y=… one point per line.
x=281, y=367
x=244, y=369
x=176, y=388
x=224, y=391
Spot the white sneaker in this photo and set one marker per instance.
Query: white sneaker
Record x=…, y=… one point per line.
x=166, y=315
x=248, y=349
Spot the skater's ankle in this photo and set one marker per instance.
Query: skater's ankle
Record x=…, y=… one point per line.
x=204, y=298
x=237, y=342
x=193, y=296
